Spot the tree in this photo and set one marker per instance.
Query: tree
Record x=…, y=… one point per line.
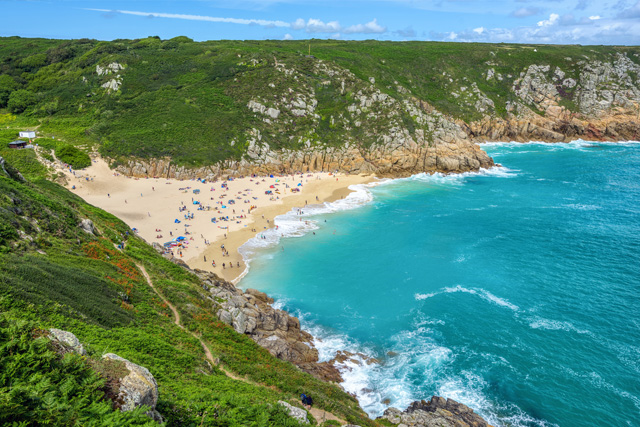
x=7, y=85
x=20, y=100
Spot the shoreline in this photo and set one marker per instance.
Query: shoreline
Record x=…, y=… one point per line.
x=187, y=208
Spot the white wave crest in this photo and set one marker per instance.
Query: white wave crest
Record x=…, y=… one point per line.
x=577, y=144
x=555, y=325
x=482, y=293
x=460, y=178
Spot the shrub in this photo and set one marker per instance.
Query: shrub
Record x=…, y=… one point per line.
x=20, y=100
x=73, y=156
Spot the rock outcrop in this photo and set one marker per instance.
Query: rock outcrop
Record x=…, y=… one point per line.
x=388, y=131
x=251, y=313
x=137, y=388
x=438, y=412
x=67, y=340
x=87, y=226
x=297, y=413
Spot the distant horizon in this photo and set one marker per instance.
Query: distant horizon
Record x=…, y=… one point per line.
x=327, y=40
x=548, y=22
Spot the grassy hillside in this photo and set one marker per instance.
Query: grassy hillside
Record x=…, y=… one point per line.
x=54, y=274
x=188, y=101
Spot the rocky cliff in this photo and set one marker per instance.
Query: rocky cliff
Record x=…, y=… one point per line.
x=251, y=313
x=403, y=134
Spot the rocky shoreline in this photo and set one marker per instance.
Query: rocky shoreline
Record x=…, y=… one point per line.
x=251, y=313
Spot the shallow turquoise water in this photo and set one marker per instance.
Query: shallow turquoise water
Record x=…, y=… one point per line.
x=515, y=291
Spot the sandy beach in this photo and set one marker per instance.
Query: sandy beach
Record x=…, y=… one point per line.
x=206, y=214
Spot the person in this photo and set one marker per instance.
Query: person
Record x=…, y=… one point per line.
x=223, y=265
x=307, y=401
x=238, y=264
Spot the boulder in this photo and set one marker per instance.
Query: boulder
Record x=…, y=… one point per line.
x=137, y=388
x=87, y=225
x=297, y=413
x=67, y=339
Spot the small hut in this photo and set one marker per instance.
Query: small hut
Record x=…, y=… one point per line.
x=18, y=144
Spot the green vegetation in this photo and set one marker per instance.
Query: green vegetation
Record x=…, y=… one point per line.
x=54, y=274
x=188, y=101
x=69, y=154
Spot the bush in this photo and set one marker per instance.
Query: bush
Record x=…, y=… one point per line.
x=7, y=85
x=73, y=156
x=20, y=100
x=39, y=386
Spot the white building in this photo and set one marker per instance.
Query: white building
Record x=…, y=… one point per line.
x=27, y=134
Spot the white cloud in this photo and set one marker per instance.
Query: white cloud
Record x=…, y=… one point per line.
x=316, y=26
x=310, y=26
x=287, y=37
x=556, y=30
x=262, y=22
x=369, y=28
x=478, y=30
x=594, y=17
x=547, y=22
x=524, y=12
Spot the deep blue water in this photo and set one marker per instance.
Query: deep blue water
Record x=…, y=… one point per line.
x=515, y=291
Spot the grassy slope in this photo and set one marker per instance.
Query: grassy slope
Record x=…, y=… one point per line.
x=188, y=100
x=69, y=279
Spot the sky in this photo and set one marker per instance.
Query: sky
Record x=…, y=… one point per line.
x=510, y=21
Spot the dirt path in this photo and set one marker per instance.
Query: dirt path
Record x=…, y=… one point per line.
x=322, y=416
x=176, y=315
x=318, y=414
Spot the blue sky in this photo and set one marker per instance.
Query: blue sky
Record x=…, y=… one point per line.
x=520, y=21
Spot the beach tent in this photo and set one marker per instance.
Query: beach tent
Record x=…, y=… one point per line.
x=299, y=184
x=181, y=238
x=177, y=221
x=272, y=186
x=270, y=176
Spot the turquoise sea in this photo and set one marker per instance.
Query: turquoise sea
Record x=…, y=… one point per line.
x=515, y=290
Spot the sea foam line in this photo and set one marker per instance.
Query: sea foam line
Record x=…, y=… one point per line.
x=482, y=293
x=575, y=144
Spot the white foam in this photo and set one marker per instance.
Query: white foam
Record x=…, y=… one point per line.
x=298, y=222
x=482, y=293
x=555, y=325
x=468, y=388
x=578, y=144
x=460, y=178
x=420, y=297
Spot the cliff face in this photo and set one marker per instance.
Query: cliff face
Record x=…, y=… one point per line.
x=183, y=109
x=605, y=98
x=402, y=135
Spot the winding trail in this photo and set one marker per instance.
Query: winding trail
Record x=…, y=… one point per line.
x=319, y=414
x=176, y=316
